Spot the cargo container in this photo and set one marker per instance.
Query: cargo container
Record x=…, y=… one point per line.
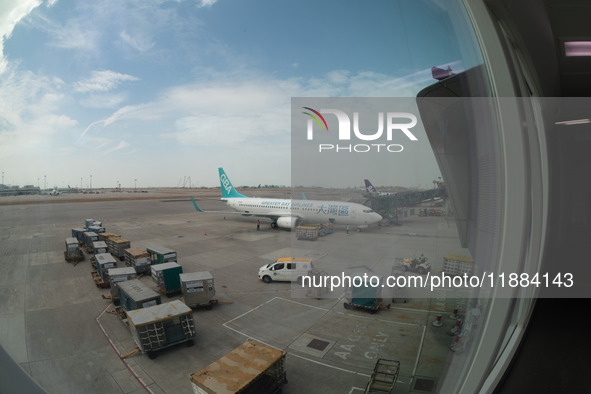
x=78, y=233
x=73, y=254
x=160, y=254
x=365, y=294
x=105, y=236
x=166, y=276
x=99, y=247
x=104, y=261
x=133, y=294
x=89, y=239
x=117, y=246
x=117, y=275
x=88, y=222
x=454, y=264
x=96, y=229
x=138, y=259
x=250, y=368
x=159, y=326
x=197, y=289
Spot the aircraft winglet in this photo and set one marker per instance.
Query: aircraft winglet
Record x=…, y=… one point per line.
x=195, y=205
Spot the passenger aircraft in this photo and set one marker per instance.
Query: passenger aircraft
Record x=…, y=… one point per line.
x=372, y=191
x=288, y=213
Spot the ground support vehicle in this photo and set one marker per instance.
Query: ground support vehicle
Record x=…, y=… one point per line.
x=73, y=254
x=251, y=368
x=384, y=377
x=160, y=326
x=420, y=265
x=312, y=232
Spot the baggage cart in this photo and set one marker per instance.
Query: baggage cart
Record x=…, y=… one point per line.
x=251, y=368
x=454, y=264
x=384, y=376
x=160, y=326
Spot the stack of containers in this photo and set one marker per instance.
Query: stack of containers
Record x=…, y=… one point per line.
x=104, y=261
x=117, y=246
x=89, y=239
x=138, y=259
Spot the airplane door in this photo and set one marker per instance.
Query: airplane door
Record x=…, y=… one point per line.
x=352, y=212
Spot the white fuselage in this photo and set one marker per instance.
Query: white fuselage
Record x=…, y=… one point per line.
x=311, y=211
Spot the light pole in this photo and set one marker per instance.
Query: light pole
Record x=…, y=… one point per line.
x=44, y=182
x=135, y=185
x=90, y=182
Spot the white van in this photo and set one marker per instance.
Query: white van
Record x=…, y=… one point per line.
x=289, y=269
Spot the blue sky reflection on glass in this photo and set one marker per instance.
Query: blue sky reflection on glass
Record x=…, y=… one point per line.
x=159, y=90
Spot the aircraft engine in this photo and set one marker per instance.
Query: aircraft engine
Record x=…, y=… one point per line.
x=287, y=222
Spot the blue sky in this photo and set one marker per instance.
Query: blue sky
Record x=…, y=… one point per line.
x=161, y=90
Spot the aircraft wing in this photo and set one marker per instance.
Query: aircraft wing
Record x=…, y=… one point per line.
x=255, y=214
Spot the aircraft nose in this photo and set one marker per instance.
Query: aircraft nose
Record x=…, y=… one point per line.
x=377, y=217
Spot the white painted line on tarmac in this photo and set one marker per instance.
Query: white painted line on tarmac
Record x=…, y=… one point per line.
x=414, y=370
x=140, y=381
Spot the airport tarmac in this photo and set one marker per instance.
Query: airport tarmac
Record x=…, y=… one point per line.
x=56, y=325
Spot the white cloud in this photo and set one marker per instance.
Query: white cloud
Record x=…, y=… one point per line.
x=11, y=12
x=122, y=145
x=206, y=3
x=139, y=43
x=104, y=100
x=102, y=81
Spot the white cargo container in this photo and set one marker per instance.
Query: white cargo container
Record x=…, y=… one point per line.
x=197, y=289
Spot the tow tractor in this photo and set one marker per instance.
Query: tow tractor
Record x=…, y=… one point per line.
x=420, y=265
